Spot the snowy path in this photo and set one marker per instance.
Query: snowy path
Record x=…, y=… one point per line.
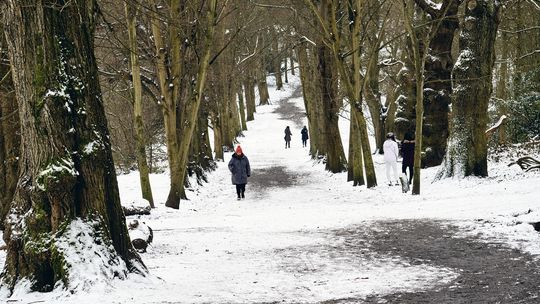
x=303, y=235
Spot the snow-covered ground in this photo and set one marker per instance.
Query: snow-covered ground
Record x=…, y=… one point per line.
x=216, y=249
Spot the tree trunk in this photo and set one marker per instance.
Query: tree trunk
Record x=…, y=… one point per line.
x=472, y=76
x=372, y=93
x=10, y=140
x=191, y=109
x=242, y=106
x=218, y=141
x=308, y=90
x=501, y=88
x=355, y=170
x=140, y=151
x=335, y=156
x=264, y=96
x=67, y=176
x=249, y=87
x=276, y=61
x=169, y=106
x=438, y=88
x=285, y=62
x=293, y=72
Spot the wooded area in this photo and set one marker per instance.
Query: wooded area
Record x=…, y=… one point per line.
x=89, y=89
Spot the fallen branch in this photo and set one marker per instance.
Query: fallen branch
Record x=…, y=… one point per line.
x=526, y=163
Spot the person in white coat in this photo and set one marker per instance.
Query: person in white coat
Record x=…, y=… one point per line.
x=391, y=152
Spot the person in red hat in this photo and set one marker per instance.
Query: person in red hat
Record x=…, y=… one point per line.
x=240, y=169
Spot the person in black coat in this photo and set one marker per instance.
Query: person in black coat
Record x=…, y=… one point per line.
x=407, y=152
x=305, y=136
x=287, y=137
x=240, y=169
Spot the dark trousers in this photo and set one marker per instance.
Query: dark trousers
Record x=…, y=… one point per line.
x=287, y=144
x=304, y=142
x=240, y=189
x=404, y=170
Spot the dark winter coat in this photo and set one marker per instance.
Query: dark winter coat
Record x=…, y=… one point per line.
x=304, y=134
x=288, y=134
x=240, y=169
x=407, y=152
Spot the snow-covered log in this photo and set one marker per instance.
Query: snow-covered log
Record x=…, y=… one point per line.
x=137, y=207
x=141, y=235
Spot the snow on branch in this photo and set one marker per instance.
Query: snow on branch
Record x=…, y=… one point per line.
x=496, y=125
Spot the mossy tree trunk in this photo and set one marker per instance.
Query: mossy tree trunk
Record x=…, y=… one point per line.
x=437, y=85
x=140, y=151
x=9, y=136
x=335, y=155
x=472, y=87
x=67, y=171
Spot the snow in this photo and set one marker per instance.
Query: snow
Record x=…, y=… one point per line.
x=271, y=246
x=64, y=166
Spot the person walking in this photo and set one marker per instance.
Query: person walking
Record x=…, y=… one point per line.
x=287, y=137
x=391, y=152
x=305, y=136
x=240, y=169
x=407, y=152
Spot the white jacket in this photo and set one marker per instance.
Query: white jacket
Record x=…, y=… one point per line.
x=391, y=151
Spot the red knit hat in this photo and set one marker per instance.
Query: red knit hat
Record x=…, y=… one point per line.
x=238, y=150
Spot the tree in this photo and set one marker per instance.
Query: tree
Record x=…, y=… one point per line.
x=182, y=75
x=67, y=184
x=9, y=135
x=131, y=17
x=350, y=77
x=472, y=87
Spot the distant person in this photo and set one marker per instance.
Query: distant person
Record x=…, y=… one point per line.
x=391, y=152
x=407, y=152
x=240, y=169
x=287, y=137
x=305, y=136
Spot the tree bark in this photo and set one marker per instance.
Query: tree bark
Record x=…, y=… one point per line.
x=144, y=176
x=191, y=108
x=249, y=87
x=10, y=140
x=335, y=155
x=308, y=93
x=472, y=78
x=264, y=96
x=242, y=107
x=276, y=60
x=67, y=172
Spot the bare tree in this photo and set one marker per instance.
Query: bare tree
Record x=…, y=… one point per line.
x=131, y=17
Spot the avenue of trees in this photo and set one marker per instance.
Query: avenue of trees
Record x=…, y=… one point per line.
x=91, y=88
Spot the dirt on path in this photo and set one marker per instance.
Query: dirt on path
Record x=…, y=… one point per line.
x=489, y=272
